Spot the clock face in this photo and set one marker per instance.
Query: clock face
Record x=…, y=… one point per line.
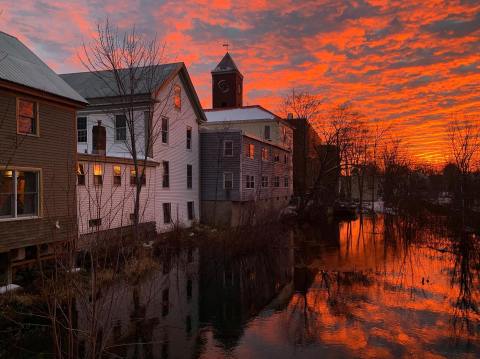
x=224, y=86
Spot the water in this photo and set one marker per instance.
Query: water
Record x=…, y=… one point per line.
x=374, y=288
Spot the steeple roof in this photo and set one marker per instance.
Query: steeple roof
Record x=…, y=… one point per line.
x=226, y=65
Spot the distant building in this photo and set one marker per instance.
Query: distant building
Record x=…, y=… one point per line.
x=244, y=178
x=267, y=132
x=37, y=159
x=105, y=172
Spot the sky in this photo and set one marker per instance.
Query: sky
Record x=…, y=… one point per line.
x=412, y=65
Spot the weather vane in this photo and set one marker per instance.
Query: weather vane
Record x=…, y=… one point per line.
x=225, y=45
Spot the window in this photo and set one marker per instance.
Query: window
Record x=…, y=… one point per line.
x=27, y=117
x=164, y=130
x=97, y=175
x=189, y=138
x=264, y=153
x=189, y=176
x=264, y=181
x=250, y=150
x=147, y=119
x=228, y=148
x=190, y=211
x=227, y=180
x=97, y=222
x=167, y=213
x=285, y=158
x=250, y=181
x=267, y=133
x=117, y=175
x=80, y=174
x=19, y=194
x=178, y=97
x=133, y=176
x=285, y=182
x=284, y=134
x=276, y=158
x=276, y=181
x=120, y=128
x=81, y=129
x=166, y=175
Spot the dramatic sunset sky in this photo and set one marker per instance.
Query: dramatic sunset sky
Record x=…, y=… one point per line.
x=409, y=63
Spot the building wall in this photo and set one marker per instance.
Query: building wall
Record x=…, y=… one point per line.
x=178, y=156
x=113, y=204
x=53, y=152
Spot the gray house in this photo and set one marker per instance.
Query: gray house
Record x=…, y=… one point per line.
x=243, y=179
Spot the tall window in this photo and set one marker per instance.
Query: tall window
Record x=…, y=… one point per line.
x=81, y=129
x=249, y=181
x=133, y=176
x=166, y=175
x=27, y=117
x=228, y=148
x=264, y=181
x=267, y=133
x=97, y=174
x=191, y=211
x=19, y=193
x=164, y=129
x=178, y=97
x=265, y=153
x=147, y=119
x=189, y=138
x=250, y=150
x=285, y=181
x=276, y=181
x=80, y=174
x=189, y=176
x=117, y=175
x=228, y=180
x=120, y=128
x=167, y=213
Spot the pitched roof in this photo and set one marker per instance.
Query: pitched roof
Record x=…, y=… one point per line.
x=20, y=65
x=244, y=113
x=226, y=65
x=103, y=83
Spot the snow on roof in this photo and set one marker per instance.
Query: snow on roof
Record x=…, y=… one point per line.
x=18, y=64
x=239, y=114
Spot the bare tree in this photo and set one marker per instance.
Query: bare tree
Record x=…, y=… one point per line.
x=128, y=64
x=302, y=104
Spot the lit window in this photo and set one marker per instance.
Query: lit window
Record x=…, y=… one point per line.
x=189, y=176
x=22, y=185
x=120, y=128
x=81, y=129
x=164, y=130
x=117, y=175
x=264, y=181
x=228, y=180
x=250, y=150
x=133, y=176
x=228, y=148
x=97, y=174
x=267, y=132
x=178, y=97
x=189, y=138
x=250, y=181
x=80, y=174
x=166, y=175
x=191, y=211
x=167, y=213
x=27, y=117
x=265, y=153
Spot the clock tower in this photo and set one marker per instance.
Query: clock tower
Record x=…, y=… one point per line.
x=227, y=84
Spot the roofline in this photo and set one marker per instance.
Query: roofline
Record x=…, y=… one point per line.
x=32, y=91
x=244, y=134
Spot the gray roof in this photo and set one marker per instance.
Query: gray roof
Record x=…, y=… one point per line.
x=103, y=84
x=21, y=66
x=226, y=65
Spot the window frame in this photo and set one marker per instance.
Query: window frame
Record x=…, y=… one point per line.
x=116, y=176
x=189, y=138
x=84, y=174
x=224, y=180
x=165, y=174
x=250, y=151
x=225, y=154
x=96, y=177
x=249, y=182
x=189, y=177
x=265, y=181
x=165, y=135
x=276, y=181
x=269, y=137
x=191, y=214
x=169, y=206
x=133, y=176
x=286, y=182
x=177, y=97
x=265, y=154
x=116, y=139
x=36, y=117
x=83, y=129
x=39, y=205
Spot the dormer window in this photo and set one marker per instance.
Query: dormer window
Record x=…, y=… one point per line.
x=177, y=97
